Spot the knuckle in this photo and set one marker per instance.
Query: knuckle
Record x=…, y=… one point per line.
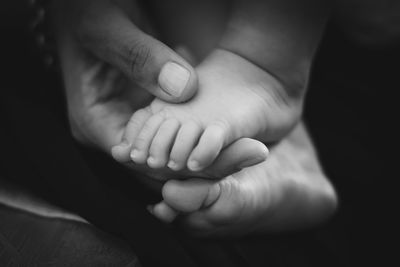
x=139, y=55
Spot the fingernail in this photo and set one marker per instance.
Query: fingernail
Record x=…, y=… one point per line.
x=173, y=78
x=193, y=165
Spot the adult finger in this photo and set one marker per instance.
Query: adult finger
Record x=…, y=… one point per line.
x=243, y=153
x=148, y=62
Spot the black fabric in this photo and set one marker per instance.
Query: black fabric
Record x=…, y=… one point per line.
x=31, y=240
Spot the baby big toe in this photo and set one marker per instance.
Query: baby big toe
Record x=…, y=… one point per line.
x=121, y=152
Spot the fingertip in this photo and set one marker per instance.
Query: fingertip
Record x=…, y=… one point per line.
x=194, y=166
x=264, y=151
x=261, y=152
x=257, y=153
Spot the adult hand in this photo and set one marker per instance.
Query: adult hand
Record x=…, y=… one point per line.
x=287, y=191
x=108, y=61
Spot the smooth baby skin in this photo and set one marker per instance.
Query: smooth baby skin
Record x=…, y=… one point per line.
x=235, y=99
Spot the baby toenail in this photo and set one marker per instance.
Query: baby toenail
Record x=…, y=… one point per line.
x=194, y=165
x=151, y=161
x=172, y=165
x=135, y=154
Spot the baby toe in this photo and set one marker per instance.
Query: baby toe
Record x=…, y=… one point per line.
x=143, y=140
x=211, y=142
x=135, y=124
x=121, y=152
x=162, y=142
x=185, y=141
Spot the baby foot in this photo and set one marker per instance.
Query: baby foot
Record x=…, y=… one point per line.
x=235, y=99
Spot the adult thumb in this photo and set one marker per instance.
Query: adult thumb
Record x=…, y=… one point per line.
x=146, y=61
